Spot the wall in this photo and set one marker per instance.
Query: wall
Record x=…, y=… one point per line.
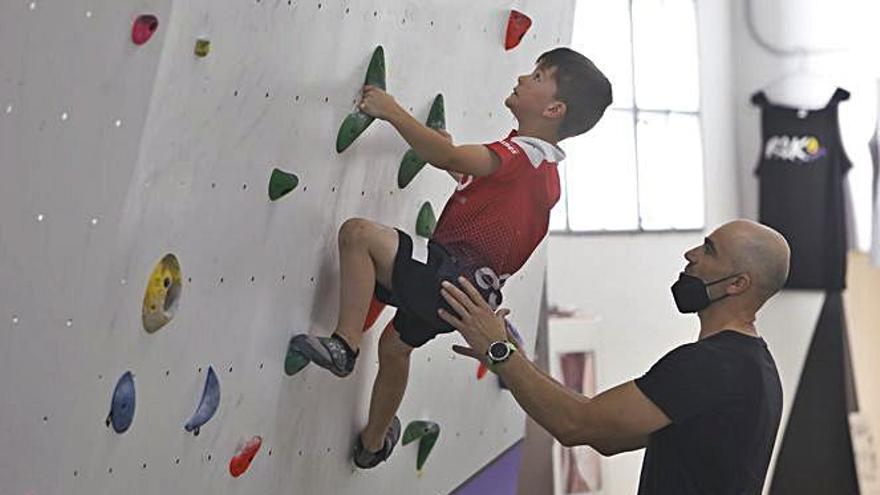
x=160, y=151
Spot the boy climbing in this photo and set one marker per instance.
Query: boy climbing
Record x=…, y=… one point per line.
x=494, y=220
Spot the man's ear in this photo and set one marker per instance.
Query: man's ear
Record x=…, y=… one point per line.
x=555, y=110
x=740, y=284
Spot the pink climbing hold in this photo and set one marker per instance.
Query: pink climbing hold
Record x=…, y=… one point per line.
x=243, y=456
x=517, y=25
x=143, y=28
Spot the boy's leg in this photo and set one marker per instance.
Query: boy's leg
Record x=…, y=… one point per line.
x=366, y=255
x=388, y=389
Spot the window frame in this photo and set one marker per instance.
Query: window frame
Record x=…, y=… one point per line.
x=635, y=112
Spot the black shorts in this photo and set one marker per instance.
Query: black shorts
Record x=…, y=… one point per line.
x=416, y=293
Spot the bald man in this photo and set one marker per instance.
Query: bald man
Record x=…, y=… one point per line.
x=707, y=411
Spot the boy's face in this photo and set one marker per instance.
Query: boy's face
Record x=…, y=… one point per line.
x=534, y=95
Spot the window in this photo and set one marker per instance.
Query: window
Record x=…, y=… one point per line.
x=641, y=167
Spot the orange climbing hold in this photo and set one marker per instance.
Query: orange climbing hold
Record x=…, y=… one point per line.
x=243, y=457
x=143, y=28
x=373, y=314
x=517, y=26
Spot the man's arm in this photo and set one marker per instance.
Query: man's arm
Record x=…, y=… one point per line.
x=615, y=421
x=616, y=446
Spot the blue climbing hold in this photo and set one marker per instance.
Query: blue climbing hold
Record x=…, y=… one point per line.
x=122, y=406
x=208, y=405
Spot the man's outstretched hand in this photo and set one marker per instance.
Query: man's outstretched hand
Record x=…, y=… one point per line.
x=475, y=320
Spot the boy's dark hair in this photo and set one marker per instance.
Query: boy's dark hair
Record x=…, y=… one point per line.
x=583, y=88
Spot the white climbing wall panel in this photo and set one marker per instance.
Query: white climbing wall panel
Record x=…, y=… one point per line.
x=113, y=155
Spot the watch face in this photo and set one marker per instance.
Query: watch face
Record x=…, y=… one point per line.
x=498, y=350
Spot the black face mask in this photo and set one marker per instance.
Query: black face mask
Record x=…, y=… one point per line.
x=692, y=295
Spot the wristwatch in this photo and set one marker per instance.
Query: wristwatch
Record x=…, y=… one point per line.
x=499, y=352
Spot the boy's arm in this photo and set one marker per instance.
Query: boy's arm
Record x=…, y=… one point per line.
x=455, y=175
x=469, y=159
x=473, y=159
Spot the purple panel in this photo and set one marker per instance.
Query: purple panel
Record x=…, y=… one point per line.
x=499, y=477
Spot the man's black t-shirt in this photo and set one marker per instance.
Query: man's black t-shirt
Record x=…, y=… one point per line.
x=724, y=399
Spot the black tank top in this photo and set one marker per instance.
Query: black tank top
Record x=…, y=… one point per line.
x=801, y=173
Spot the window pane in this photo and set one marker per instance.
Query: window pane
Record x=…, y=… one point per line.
x=558, y=220
x=601, y=172
x=665, y=47
x=602, y=33
x=670, y=171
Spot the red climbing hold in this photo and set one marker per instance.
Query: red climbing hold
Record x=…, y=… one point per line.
x=373, y=314
x=143, y=28
x=481, y=371
x=243, y=457
x=517, y=25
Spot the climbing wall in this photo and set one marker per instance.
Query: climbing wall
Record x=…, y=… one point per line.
x=126, y=139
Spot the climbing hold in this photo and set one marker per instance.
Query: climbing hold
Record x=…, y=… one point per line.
x=412, y=163
x=425, y=431
x=482, y=369
x=352, y=127
x=281, y=183
x=517, y=26
x=207, y=405
x=244, y=454
x=357, y=122
x=375, y=310
x=162, y=294
x=122, y=405
x=143, y=28
x=295, y=360
x=426, y=221
x=437, y=114
x=203, y=47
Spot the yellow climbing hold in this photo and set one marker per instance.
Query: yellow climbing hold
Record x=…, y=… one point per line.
x=203, y=47
x=162, y=294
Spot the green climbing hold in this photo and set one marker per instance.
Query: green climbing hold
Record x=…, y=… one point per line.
x=437, y=115
x=353, y=126
x=425, y=431
x=294, y=361
x=426, y=222
x=412, y=163
x=281, y=183
x=357, y=122
x=376, y=69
